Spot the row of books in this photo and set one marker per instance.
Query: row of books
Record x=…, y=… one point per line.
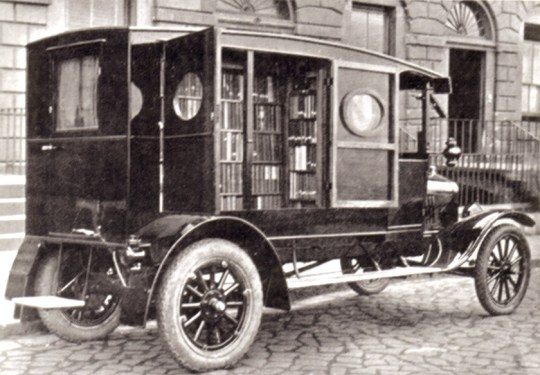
x=232, y=85
x=232, y=115
x=267, y=202
x=267, y=147
x=302, y=157
x=232, y=203
x=232, y=146
x=231, y=178
x=302, y=186
x=303, y=128
x=266, y=179
x=303, y=106
x=263, y=89
x=268, y=117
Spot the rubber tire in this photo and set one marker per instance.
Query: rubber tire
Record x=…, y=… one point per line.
x=365, y=288
x=480, y=271
x=55, y=321
x=168, y=301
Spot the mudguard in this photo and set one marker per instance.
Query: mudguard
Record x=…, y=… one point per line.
x=170, y=234
x=20, y=282
x=23, y=270
x=461, y=240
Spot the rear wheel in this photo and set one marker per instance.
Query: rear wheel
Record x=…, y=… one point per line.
x=502, y=270
x=210, y=305
x=70, y=279
x=367, y=287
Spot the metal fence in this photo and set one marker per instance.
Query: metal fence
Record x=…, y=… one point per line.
x=12, y=141
x=500, y=161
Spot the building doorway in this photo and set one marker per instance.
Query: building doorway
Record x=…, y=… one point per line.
x=465, y=107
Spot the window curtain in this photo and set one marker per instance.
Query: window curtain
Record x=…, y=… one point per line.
x=77, y=93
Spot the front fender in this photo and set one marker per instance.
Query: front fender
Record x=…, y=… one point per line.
x=241, y=232
x=465, y=236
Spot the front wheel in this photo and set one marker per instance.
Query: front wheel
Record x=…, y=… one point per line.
x=210, y=305
x=502, y=270
x=71, y=278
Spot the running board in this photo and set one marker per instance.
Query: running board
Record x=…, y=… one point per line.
x=48, y=302
x=339, y=278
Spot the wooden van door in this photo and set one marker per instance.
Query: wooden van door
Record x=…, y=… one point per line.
x=364, y=150
x=187, y=123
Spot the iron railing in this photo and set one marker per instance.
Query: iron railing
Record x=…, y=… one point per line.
x=12, y=141
x=500, y=161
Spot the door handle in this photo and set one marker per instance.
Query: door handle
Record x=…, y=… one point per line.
x=49, y=147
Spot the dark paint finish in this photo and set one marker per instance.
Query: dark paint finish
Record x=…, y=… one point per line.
x=464, y=236
x=109, y=178
x=78, y=178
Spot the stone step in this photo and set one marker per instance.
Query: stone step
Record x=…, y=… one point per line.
x=11, y=241
x=12, y=206
x=11, y=189
x=12, y=224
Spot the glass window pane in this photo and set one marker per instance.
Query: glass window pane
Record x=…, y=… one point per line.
x=368, y=28
x=527, y=62
x=376, y=31
x=76, y=105
x=359, y=28
x=188, y=97
x=362, y=113
x=535, y=63
x=534, y=99
x=525, y=98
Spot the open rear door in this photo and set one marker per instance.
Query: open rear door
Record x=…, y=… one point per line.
x=364, y=147
x=187, y=117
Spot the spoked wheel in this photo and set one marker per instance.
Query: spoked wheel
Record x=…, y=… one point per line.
x=210, y=305
x=72, y=278
x=367, y=287
x=502, y=270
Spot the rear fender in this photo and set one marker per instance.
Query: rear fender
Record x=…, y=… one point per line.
x=20, y=277
x=245, y=235
x=465, y=237
x=22, y=274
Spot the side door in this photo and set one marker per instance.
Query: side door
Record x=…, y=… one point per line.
x=364, y=151
x=187, y=112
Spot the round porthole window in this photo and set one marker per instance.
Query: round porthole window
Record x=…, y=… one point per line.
x=136, y=101
x=188, y=96
x=362, y=113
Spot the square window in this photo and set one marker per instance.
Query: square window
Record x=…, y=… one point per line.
x=77, y=93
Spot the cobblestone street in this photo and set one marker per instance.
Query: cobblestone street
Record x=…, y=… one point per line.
x=426, y=326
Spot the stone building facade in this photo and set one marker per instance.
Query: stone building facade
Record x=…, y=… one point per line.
x=478, y=43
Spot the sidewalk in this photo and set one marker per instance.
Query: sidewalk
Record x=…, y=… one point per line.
x=10, y=326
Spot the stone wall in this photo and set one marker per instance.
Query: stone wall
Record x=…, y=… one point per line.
x=20, y=22
x=420, y=33
x=428, y=43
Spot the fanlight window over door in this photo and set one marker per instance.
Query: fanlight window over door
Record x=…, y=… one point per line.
x=468, y=18
x=280, y=9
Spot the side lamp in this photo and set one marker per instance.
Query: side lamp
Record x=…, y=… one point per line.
x=452, y=152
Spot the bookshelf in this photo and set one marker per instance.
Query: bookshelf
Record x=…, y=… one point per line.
x=302, y=143
x=268, y=159
x=232, y=140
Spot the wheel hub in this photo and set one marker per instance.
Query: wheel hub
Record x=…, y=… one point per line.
x=213, y=305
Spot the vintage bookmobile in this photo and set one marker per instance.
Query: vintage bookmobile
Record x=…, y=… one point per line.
x=197, y=178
